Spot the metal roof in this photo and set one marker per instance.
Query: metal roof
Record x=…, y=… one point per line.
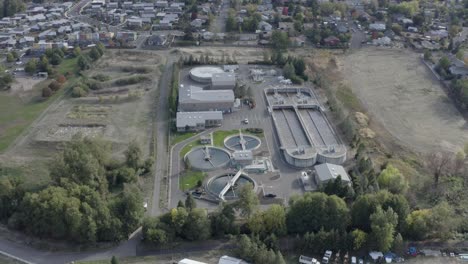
x=224, y=78
x=328, y=171
x=194, y=94
x=193, y=118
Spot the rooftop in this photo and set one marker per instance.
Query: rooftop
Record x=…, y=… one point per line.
x=328, y=171
x=194, y=118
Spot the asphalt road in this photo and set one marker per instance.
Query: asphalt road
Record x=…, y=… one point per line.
x=162, y=128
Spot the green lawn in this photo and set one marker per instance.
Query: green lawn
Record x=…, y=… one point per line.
x=68, y=65
x=220, y=135
x=16, y=115
x=179, y=137
x=189, y=179
x=189, y=146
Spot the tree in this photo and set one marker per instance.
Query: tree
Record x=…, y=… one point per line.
x=359, y=239
x=197, y=226
x=271, y=221
x=398, y=245
x=133, y=155
x=190, y=203
x=83, y=62
x=94, y=54
x=279, y=40
x=391, y=179
x=222, y=220
x=444, y=63
x=279, y=258
x=315, y=211
x=46, y=92
x=180, y=204
x=438, y=163
x=288, y=71
x=55, y=86
x=10, y=57
x=76, y=52
x=248, y=200
x=397, y=29
x=383, y=225
x=129, y=208
x=114, y=260
x=31, y=66
x=78, y=91
x=82, y=161
x=61, y=79
x=56, y=59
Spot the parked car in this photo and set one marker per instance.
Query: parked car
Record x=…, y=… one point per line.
x=270, y=195
x=353, y=260
x=245, y=121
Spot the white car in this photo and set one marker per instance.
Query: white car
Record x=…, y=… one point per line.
x=245, y=121
x=353, y=260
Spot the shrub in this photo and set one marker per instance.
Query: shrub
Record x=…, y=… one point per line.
x=78, y=92
x=101, y=77
x=46, y=92
x=61, y=79
x=93, y=85
x=54, y=86
x=130, y=80
x=136, y=69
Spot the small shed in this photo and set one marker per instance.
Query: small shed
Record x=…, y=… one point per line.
x=326, y=172
x=205, y=140
x=242, y=157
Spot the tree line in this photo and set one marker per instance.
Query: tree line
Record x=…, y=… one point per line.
x=93, y=197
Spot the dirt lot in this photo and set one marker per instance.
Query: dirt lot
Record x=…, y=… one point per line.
x=118, y=113
x=402, y=94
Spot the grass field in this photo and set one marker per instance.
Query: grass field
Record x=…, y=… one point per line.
x=68, y=65
x=179, y=137
x=220, y=135
x=189, y=179
x=189, y=146
x=16, y=115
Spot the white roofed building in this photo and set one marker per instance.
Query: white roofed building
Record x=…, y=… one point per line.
x=196, y=121
x=326, y=172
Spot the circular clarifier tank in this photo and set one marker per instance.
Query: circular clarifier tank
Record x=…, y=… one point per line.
x=207, y=158
x=204, y=74
x=242, y=142
x=216, y=184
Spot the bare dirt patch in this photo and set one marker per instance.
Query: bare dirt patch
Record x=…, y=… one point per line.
x=115, y=113
x=401, y=94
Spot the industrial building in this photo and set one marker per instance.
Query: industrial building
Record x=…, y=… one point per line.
x=204, y=74
x=327, y=172
x=223, y=81
x=305, y=135
x=196, y=121
x=194, y=98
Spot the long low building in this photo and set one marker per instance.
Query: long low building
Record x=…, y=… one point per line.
x=194, y=99
x=195, y=121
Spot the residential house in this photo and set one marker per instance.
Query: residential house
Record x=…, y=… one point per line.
x=331, y=41
x=377, y=27
x=156, y=40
